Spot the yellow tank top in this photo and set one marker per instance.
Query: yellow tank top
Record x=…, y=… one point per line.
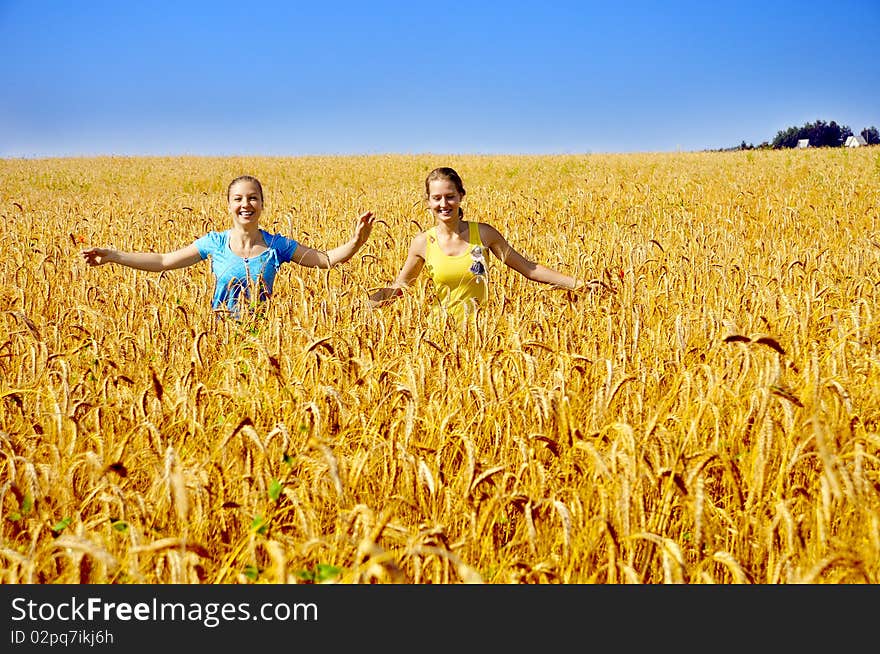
x=461, y=282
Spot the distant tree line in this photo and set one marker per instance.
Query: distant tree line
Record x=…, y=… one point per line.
x=820, y=134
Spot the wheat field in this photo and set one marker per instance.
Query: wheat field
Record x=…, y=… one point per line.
x=712, y=417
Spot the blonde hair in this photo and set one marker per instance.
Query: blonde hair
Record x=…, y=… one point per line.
x=244, y=178
x=444, y=173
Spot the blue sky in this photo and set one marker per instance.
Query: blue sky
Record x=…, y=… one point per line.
x=294, y=78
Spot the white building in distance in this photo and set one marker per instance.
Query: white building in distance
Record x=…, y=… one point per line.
x=855, y=141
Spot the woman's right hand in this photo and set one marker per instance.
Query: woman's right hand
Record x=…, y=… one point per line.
x=384, y=295
x=594, y=286
x=97, y=256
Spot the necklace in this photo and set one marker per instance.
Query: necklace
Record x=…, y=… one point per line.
x=246, y=252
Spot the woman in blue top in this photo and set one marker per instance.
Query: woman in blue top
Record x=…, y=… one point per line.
x=245, y=258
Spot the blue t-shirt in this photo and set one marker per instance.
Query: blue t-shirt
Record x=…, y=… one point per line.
x=238, y=278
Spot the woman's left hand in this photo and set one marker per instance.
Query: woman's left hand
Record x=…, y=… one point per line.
x=363, y=227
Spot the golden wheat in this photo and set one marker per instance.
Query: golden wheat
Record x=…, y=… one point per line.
x=712, y=417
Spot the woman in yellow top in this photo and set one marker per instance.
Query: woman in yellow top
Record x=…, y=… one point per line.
x=454, y=253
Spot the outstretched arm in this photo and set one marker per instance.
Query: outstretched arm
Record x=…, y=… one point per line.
x=149, y=261
x=412, y=267
x=312, y=258
x=529, y=269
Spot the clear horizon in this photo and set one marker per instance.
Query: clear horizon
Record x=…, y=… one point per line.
x=291, y=79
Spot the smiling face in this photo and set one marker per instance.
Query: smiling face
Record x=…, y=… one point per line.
x=245, y=203
x=444, y=199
